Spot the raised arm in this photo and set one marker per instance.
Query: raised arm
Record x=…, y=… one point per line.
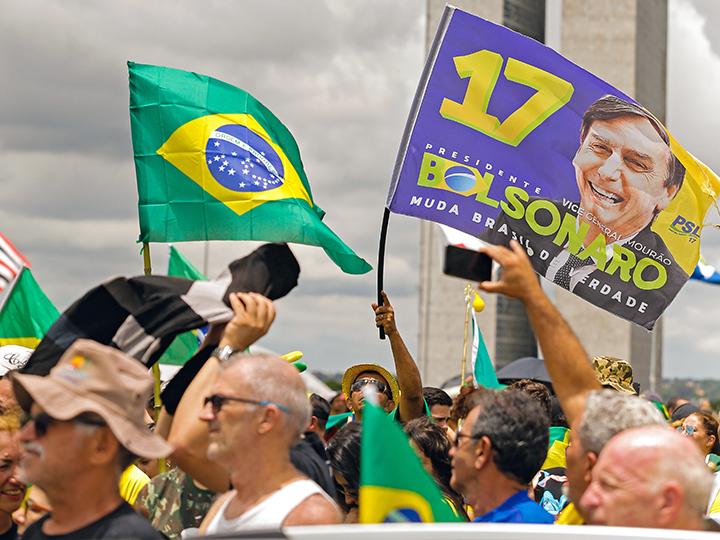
x=408, y=375
x=253, y=315
x=565, y=358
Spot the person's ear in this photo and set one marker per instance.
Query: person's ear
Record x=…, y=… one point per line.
x=104, y=446
x=710, y=444
x=670, y=503
x=668, y=194
x=590, y=461
x=271, y=417
x=483, y=452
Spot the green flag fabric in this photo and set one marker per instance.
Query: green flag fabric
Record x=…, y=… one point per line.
x=482, y=367
x=213, y=163
x=180, y=266
x=26, y=313
x=394, y=486
x=186, y=344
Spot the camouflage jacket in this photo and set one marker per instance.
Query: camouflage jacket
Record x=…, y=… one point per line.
x=174, y=502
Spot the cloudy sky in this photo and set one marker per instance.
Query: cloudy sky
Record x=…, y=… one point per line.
x=340, y=75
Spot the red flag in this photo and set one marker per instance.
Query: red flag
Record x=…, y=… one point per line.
x=11, y=261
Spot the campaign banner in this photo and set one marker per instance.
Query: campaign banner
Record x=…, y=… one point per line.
x=507, y=139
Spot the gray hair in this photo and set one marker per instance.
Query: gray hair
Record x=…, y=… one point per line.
x=608, y=412
x=273, y=379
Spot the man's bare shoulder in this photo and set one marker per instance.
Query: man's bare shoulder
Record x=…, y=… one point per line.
x=315, y=510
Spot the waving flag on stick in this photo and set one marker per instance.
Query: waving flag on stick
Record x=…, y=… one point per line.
x=394, y=486
x=213, y=163
x=11, y=261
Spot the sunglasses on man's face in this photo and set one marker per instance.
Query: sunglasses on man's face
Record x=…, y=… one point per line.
x=42, y=422
x=217, y=401
x=359, y=384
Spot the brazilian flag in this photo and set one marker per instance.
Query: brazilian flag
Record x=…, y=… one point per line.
x=394, y=486
x=26, y=313
x=213, y=163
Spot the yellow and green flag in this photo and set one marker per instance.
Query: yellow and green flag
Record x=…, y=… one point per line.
x=213, y=163
x=186, y=344
x=394, y=486
x=26, y=313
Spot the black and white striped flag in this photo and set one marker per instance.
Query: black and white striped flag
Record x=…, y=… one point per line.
x=142, y=315
x=11, y=261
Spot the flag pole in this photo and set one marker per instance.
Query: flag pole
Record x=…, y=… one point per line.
x=468, y=307
x=157, y=401
x=381, y=262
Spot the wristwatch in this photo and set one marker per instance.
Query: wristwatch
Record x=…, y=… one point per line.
x=223, y=353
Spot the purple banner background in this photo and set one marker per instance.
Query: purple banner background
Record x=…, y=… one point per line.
x=543, y=158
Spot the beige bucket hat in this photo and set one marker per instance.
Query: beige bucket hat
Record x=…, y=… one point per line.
x=90, y=377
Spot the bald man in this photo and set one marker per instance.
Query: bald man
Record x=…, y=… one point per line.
x=649, y=477
x=255, y=413
x=234, y=428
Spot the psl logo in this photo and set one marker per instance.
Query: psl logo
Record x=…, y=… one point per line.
x=683, y=227
x=440, y=173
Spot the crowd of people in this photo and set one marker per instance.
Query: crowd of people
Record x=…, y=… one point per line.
x=245, y=447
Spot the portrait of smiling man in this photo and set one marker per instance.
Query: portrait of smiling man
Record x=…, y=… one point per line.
x=626, y=175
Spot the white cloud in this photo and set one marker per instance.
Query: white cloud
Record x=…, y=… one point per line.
x=340, y=75
x=690, y=325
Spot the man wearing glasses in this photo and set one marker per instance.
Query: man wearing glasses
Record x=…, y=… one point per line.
x=497, y=452
x=235, y=425
x=83, y=426
x=401, y=397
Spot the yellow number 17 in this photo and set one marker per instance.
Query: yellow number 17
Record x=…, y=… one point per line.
x=483, y=68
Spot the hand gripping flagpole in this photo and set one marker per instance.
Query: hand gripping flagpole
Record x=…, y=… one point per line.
x=469, y=296
x=381, y=262
x=157, y=401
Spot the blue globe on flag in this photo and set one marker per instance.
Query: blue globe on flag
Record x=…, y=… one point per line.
x=240, y=160
x=403, y=515
x=460, y=178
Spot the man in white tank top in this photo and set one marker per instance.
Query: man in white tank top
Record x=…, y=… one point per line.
x=255, y=408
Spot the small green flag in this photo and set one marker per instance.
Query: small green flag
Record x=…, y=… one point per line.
x=213, y=163
x=186, y=344
x=482, y=367
x=180, y=266
x=394, y=486
x=26, y=314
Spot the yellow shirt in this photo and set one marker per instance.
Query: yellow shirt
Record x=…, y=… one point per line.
x=715, y=506
x=132, y=480
x=569, y=516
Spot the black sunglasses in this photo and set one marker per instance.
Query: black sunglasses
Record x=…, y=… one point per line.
x=42, y=421
x=218, y=400
x=359, y=384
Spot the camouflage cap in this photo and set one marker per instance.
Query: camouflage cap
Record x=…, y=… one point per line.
x=615, y=373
